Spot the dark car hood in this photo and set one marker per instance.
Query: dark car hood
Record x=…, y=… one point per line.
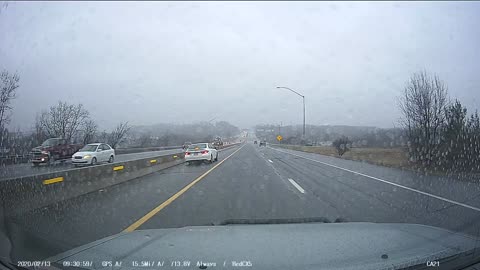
x=40, y=148
x=284, y=246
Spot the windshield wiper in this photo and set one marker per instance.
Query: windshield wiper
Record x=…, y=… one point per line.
x=278, y=221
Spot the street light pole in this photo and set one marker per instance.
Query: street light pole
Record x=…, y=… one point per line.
x=303, y=98
x=304, y=138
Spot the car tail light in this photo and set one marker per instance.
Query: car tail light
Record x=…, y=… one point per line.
x=187, y=153
x=204, y=152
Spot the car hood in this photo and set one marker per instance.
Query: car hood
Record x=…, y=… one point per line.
x=280, y=246
x=41, y=148
x=83, y=153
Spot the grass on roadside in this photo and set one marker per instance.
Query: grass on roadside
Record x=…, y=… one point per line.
x=390, y=157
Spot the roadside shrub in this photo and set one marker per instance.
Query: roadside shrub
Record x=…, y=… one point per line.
x=341, y=145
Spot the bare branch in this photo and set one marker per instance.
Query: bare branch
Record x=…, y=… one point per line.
x=422, y=104
x=118, y=134
x=8, y=86
x=89, y=131
x=63, y=120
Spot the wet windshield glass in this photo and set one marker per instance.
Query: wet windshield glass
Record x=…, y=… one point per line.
x=51, y=142
x=89, y=148
x=197, y=146
x=316, y=126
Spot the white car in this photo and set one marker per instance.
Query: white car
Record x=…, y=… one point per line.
x=201, y=152
x=93, y=153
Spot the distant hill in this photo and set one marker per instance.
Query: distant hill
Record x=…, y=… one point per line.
x=163, y=134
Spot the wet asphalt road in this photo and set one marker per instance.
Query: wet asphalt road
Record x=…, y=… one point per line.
x=252, y=182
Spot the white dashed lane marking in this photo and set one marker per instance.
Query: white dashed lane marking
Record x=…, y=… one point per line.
x=297, y=186
x=385, y=181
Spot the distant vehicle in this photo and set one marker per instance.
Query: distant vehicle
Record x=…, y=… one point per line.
x=186, y=145
x=263, y=143
x=52, y=150
x=217, y=143
x=93, y=153
x=201, y=152
x=254, y=142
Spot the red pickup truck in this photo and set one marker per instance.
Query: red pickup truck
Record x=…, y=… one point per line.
x=51, y=150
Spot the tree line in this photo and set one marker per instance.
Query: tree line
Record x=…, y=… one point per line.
x=69, y=121
x=178, y=134
x=63, y=120
x=441, y=134
x=74, y=123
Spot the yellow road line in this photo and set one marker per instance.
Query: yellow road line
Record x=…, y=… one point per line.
x=175, y=156
x=53, y=180
x=153, y=161
x=118, y=168
x=157, y=209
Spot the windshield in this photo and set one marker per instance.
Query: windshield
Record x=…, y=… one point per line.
x=89, y=148
x=364, y=113
x=51, y=142
x=197, y=146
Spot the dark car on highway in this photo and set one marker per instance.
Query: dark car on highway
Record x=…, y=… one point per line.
x=52, y=150
x=263, y=143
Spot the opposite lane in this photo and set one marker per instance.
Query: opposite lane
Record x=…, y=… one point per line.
x=26, y=169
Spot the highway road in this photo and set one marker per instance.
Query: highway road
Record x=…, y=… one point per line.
x=248, y=182
x=26, y=169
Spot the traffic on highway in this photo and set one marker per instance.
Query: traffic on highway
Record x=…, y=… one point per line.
x=230, y=135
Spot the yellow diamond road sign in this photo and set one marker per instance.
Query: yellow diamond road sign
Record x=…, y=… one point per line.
x=279, y=137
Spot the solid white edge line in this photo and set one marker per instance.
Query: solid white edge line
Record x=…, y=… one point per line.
x=296, y=185
x=388, y=182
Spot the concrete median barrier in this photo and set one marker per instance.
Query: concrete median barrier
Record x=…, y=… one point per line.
x=121, y=151
x=32, y=192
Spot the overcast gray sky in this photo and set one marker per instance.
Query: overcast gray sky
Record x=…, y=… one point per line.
x=180, y=62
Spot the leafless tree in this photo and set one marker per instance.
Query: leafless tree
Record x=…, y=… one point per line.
x=39, y=134
x=341, y=145
x=63, y=120
x=422, y=104
x=118, y=134
x=8, y=86
x=145, y=140
x=89, y=131
x=102, y=137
